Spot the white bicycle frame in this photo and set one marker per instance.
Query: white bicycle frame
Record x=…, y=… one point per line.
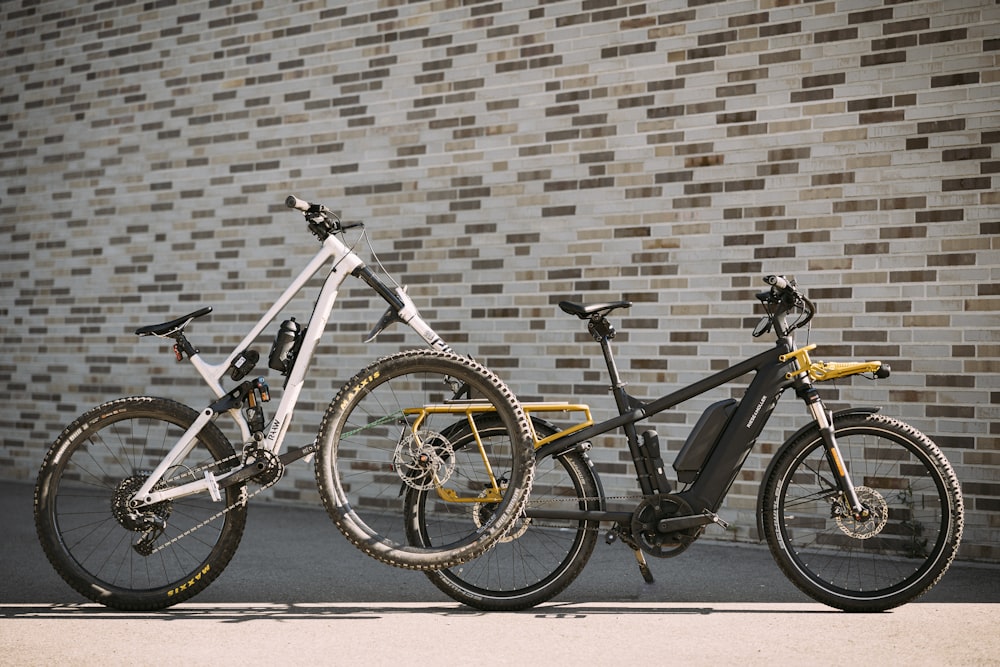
x=345, y=263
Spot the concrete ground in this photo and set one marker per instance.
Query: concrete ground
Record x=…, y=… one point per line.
x=297, y=592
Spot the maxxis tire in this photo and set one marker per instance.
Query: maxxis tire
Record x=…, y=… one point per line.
x=75, y=493
x=359, y=482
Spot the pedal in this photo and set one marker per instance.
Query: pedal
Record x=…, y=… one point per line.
x=719, y=520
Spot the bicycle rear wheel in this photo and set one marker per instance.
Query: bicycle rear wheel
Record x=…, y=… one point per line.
x=377, y=440
x=897, y=554
x=536, y=560
x=145, y=560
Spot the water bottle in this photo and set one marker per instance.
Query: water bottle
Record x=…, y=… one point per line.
x=285, y=346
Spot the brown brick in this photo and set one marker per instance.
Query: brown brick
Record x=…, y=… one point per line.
x=903, y=203
x=935, y=126
x=963, y=79
x=913, y=25
x=953, y=184
x=826, y=36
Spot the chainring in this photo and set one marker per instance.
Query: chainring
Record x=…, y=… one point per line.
x=270, y=466
x=647, y=516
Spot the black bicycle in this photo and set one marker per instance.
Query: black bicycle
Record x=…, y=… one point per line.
x=861, y=511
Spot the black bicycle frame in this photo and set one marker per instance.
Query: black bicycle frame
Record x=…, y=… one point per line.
x=719, y=471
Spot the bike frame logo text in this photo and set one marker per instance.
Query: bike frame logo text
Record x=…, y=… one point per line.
x=357, y=388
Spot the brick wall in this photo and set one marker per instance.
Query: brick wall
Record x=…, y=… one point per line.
x=507, y=155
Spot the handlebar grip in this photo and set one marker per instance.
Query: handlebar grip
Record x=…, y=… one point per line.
x=294, y=202
x=776, y=281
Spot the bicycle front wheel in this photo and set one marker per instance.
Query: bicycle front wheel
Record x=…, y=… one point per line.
x=536, y=559
x=135, y=560
x=386, y=432
x=905, y=545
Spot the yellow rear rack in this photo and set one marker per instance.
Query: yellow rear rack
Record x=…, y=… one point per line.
x=469, y=409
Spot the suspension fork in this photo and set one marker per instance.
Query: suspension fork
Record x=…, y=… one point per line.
x=824, y=421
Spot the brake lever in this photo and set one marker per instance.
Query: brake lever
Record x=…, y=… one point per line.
x=389, y=317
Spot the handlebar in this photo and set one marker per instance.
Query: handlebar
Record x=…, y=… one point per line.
x=777, y=281
x=322, y=221
x=786, y=296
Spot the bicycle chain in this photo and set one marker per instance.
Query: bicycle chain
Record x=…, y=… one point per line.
x=241, y=502
x=245, y=499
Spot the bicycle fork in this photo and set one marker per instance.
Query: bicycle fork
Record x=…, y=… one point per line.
x=824, y=421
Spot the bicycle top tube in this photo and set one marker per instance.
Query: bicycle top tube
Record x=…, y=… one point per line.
x=644, y=409
x=782, y=299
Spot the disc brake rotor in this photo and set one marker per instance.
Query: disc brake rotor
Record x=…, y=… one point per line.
x=872, y=525
x=424, y=460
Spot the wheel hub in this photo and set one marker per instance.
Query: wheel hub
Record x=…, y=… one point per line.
x=483, y=512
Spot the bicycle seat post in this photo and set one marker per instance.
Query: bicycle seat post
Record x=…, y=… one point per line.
x=604, y=333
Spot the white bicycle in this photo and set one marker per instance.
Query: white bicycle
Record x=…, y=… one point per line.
x=141, y=502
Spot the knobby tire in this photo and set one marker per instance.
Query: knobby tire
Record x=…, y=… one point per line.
x=369, y=455
x=79, y=506
x=893, y=557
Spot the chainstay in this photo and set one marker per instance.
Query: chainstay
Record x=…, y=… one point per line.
x=242, y=502
x=535, y=523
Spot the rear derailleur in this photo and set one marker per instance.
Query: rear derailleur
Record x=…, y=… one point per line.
x=151, y=520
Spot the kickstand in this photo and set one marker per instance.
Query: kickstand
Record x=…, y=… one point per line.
x=647, y=575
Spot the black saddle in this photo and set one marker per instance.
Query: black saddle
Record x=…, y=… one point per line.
x=584, y=312
x=173, y=326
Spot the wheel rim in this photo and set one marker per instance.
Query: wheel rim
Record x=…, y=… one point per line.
x=864, y=560
x=97, y=536
x=532, y=554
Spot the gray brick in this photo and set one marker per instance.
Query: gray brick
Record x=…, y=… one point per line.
x=505, y=157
